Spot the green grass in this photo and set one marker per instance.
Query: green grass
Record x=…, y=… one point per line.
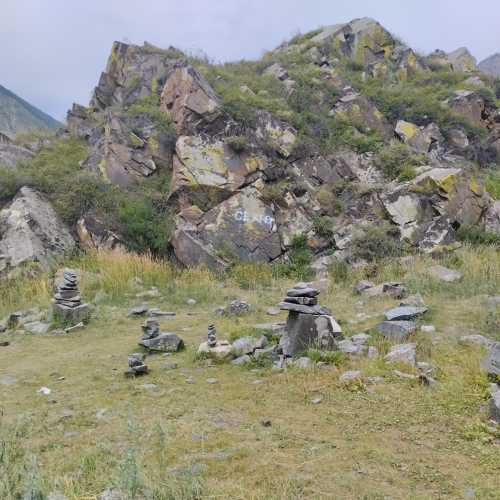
x=189, y=441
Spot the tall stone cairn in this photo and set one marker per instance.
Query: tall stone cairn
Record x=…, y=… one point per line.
x=68, y=306
x=309, y=325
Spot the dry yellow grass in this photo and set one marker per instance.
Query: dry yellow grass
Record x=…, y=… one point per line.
x=394, y=439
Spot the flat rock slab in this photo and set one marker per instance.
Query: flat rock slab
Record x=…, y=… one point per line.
x=405, y=313
x=397, y=331
x=247, y=345
x=138, y=311
x=402, y=353
x=165, y=342
x=444, y=274
x=72, y=314
x=318, y=310
x=302, y=292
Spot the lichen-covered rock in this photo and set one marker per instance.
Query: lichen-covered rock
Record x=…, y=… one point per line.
x=209, y=171
x=132, y=72
x=275, y=133
x=421, y=139
x=243, y=227
x=80, y=121
x=492, y=218
x=190, y=101
x=470, y=105
x=31, y=232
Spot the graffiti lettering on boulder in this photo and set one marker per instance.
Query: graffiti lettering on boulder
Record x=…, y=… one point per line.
x=243, y=216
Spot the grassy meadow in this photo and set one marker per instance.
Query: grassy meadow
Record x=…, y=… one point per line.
x=173, y=435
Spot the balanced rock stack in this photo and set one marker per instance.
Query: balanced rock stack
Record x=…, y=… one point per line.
x=309, y=325
x=155, y=340
x=68, y=305
x=136, y=366
x=211, y=336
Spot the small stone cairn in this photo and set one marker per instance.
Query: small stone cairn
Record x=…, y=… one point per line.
x=308, y=324
x=155, y=340
x=136, y=365
x=68, y=305
x=211, y=336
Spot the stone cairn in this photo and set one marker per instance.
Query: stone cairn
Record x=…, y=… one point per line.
x=136, y=365
x=68, y=305
x=308, y=324
x=155, y=340
x=211, y=336
x=150, y=329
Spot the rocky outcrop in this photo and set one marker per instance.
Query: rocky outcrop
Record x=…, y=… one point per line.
x=132, y=72
x=491, y=65
x=207, y=171
x=31, y=232
x=462, y=60
x=129, y=148
x=190, y=101
x=433, y=205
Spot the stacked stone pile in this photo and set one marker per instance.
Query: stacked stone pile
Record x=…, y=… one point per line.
x=136, y=365
x=308, y=323
x=155, y=340
x=68, y=305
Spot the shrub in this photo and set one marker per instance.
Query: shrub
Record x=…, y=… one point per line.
x=300, y=258
x=323, y=226
x=376, y=242
x=237, y=143
x=496, y=87
x=150, y=106
x=476, y=235
x=492, y=184
x=398, y=161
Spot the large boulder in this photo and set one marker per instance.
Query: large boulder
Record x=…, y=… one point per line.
x=471, y=105
x=190, y=101
x=132, y=72
x=209, y=171
x=31, y=232
x=242, y=227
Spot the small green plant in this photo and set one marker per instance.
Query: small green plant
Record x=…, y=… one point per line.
x=323, y=227
x=376, y=242
x=491, y=183
x=336, y=358
x=398, y=161
x=237, y=143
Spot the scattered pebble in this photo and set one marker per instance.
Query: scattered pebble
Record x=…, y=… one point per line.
x=317, y=401
x=212, y=381
x=45, y=391
x=265, y=423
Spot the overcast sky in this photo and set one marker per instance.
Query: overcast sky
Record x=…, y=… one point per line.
x=52, y=51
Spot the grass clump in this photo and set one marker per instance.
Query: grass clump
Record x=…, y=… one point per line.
x=476, y=235
x=397, y=161
x=375, y=243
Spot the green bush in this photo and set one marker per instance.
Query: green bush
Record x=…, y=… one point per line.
x=397, y=161
x=150, y=106
x=323, y=226
x=300, y=258
x=238, y=143
x=376, y=242
x=492, y=184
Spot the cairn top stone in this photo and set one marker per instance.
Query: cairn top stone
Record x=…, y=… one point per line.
x=299, y=308
x=303, y=292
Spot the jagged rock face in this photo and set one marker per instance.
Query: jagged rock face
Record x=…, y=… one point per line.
x=31, y=232
x=209, y=171
x=435, y=203
x=275, y=133
x=128, y=149
x=491, y=66
x=367, y=42
x=242, y=226
x=462, y=61
x=132, y=72
x=79, y=122
x=190, y=101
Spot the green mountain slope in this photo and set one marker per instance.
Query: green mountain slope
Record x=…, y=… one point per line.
x=17, y=115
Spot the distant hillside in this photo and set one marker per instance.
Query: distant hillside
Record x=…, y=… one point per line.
x=17, y=115
x=491, y=65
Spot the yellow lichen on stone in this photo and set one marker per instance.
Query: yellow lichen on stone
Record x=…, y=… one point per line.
x=409, y=130
x=475, y=187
